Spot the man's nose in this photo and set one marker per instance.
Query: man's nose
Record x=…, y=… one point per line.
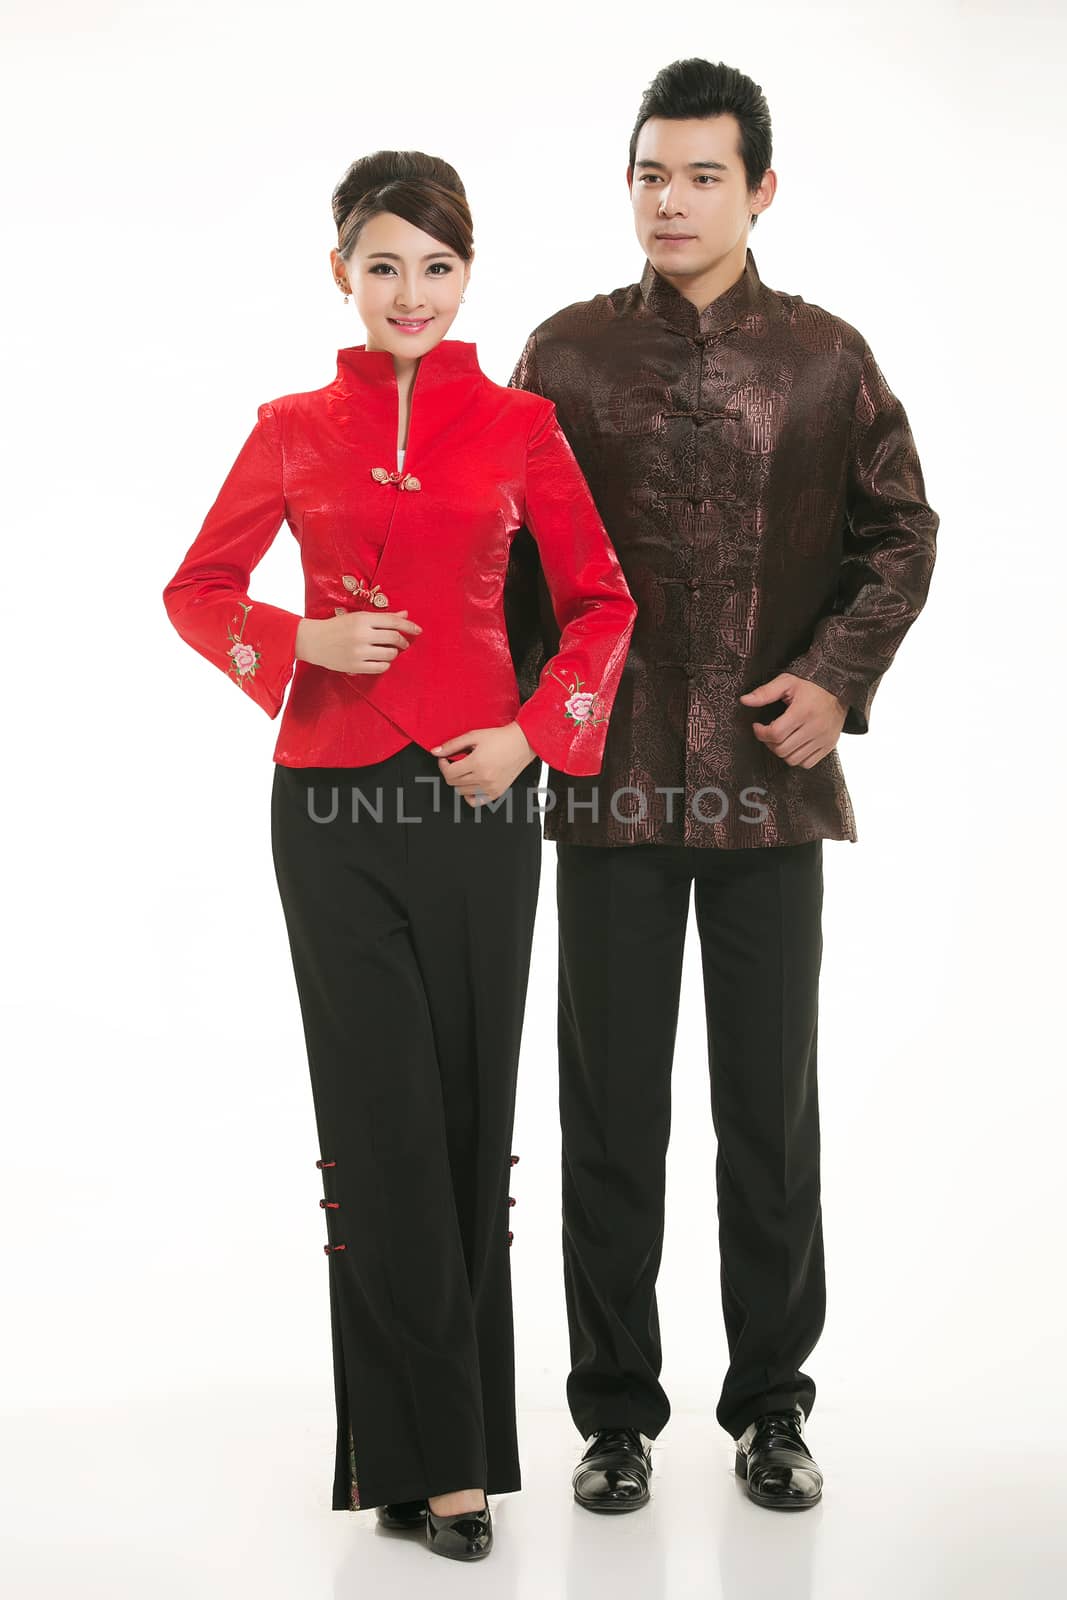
x=670, y=206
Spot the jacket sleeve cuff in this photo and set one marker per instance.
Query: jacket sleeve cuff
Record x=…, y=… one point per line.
x=853, y=693
x=254, y=644
x=260, y=652
x=566, y=720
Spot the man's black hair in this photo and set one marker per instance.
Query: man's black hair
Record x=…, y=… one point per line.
x=697, y=88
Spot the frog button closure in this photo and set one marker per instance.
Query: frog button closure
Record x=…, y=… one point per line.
x=357, y=586
x=404, y=480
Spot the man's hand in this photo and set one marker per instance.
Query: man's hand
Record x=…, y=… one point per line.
x=810, y=725
x=497, y=756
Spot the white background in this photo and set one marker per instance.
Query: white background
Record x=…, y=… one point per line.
x=168, y=1394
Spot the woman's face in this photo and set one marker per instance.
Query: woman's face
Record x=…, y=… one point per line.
x=406, y=285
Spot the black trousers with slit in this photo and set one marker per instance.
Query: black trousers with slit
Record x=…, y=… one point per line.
x=411, y=930
x=623, y=913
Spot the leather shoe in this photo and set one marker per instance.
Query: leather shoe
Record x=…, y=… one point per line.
x=775, y=1462
x=402, y=1514
x=613, y=1473
x=463, y=1536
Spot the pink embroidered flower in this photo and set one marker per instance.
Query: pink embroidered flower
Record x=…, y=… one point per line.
x=581, y=703
x=580, y=706
x=244, y=658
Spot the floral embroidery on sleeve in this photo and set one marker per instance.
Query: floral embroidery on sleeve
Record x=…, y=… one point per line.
x=244, y=659
x=582, y=703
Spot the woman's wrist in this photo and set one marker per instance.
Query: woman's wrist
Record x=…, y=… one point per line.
x=531, y=753
x=305, y=633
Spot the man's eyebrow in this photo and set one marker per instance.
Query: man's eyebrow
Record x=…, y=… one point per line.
x=717, y=166
x=391, y=255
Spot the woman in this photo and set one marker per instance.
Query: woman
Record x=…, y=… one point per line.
x=410, y=908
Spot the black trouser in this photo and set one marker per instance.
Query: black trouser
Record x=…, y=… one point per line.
x=411, y=947
x=622, y=922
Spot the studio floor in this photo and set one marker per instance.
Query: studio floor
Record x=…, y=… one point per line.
x=211, y=1495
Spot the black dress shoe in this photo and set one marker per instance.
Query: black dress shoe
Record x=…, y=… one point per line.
x=614, y=1471
x=402, y=1514
x=463, y=1536
x=776, y=1464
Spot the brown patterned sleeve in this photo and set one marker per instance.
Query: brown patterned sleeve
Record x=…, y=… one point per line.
x=887, y=556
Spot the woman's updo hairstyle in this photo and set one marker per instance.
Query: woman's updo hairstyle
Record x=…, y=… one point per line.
x=422, y=189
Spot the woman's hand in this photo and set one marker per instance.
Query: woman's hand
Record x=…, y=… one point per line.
x=354, y=641
x=497, y=756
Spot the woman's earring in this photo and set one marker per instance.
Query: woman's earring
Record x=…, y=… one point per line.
x=462, y=298
x=346, y=299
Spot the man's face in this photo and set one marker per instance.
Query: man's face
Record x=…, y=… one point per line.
x=689, y=192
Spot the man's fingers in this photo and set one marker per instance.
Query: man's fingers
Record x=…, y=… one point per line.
x=796, y=741
x=796, y=757
x=816, y=756
x=784, y=725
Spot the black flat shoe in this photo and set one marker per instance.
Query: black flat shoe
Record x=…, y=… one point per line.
x=463, y=1536
x=613, y=1473
x=776, y=1464
x=402, y=1514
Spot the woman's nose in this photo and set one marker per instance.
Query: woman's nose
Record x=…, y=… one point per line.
x=409, y=297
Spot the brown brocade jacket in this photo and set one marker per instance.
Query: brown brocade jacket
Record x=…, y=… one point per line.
x=761, y=487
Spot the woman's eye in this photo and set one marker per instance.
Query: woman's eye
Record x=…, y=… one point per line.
x=381, y=267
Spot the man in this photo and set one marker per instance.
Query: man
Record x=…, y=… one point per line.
x=762, y=489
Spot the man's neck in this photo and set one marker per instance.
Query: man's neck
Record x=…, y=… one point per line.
x=700, y=290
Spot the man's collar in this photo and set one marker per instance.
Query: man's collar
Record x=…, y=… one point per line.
x=740, y=300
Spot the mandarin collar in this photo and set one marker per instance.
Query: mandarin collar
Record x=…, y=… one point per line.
x=726, y=311
x=448, y=361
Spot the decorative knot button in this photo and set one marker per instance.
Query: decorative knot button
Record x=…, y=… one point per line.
x=357, y=586
x=405, y=480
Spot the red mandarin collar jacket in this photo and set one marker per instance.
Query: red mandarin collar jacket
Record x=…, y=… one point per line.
x=481, y=461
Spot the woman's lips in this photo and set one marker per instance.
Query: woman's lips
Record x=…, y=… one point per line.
x=406, y=325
